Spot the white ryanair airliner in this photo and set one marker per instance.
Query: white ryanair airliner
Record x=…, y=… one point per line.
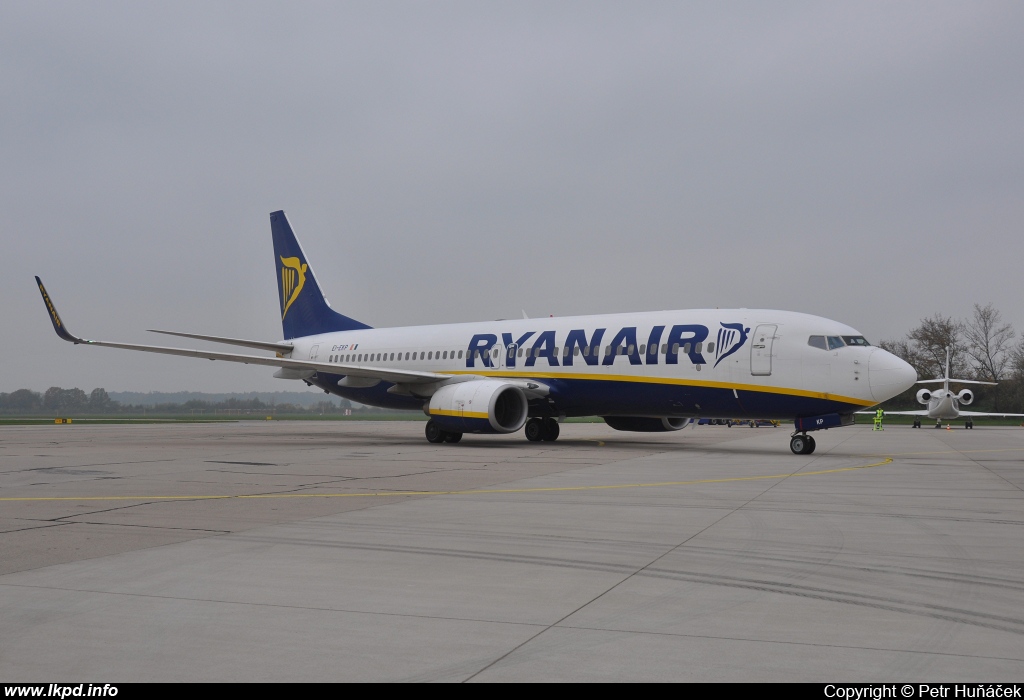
x=643, y=372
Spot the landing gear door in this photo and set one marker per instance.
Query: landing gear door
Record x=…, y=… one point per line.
x=761, y=350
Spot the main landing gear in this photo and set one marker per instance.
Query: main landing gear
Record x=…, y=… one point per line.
x=802, y=444
x=437, y=436
x=969, y=425
x=917, y=422
x=538, y=429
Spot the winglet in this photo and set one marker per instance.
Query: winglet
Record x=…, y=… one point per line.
x=58, y=325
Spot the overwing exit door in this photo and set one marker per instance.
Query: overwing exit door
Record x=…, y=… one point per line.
x=761, y=350
x=508, y=358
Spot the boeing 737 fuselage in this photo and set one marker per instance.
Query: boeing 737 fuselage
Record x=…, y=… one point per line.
x=643, y=372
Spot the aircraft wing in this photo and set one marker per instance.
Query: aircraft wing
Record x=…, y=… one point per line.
x=257, y=344
x=977, y=414
x=387, y=374
x=898, y=413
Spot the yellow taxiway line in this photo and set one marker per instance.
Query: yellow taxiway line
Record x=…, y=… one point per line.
x=384, y=494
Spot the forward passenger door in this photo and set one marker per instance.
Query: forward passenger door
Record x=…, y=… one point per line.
x=761, y=350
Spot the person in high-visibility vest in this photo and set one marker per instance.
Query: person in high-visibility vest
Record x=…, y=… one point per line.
x=879, y=414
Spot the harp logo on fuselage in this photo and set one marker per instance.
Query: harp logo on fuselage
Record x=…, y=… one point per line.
x=293, y=278
x=731, y=337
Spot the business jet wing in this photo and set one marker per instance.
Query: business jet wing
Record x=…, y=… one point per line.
x=898, y=413
x=386, y=374
x=977, y=414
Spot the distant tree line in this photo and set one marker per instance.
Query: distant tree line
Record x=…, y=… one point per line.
x=981, y=347
x=56, y=401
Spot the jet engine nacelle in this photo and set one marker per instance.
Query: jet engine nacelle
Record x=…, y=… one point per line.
x=479, y=406
x=636, y=424
x=966, y=396
x=924, y=396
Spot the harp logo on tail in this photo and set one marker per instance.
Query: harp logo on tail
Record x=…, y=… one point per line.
x=731, y=337
x=293, y=278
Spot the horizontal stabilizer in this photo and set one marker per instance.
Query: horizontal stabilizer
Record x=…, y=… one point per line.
x=955, y=381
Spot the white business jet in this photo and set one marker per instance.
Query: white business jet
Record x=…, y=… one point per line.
x=642, y=372
x=943, y=404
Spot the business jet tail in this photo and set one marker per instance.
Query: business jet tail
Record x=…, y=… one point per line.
x=304, y=310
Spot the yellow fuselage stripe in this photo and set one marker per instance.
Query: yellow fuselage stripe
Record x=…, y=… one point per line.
x=525, y=374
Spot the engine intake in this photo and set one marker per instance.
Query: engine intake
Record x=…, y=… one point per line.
x=924, y=396
x=966, y=396
x=479, y=406
x=642, y=424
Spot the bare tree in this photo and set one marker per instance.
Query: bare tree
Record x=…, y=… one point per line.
x=988, y=343
x=1017, y=361
x=928, y=344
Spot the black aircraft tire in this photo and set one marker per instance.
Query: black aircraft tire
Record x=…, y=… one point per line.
x=810, y=445
x=551, y=430
x=798, y=444
x=534, y=430
x=434, y=433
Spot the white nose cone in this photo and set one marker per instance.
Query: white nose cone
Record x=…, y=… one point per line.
x=888, y=375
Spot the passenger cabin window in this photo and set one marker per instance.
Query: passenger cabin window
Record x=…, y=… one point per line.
x=834, y=341
x=711, y=347
x=817, y=341
x=856, y=340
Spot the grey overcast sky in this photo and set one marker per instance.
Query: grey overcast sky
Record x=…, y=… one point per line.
x=461, y=161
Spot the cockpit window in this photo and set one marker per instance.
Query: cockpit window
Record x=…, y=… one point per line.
x=817, y=341
x=856, y=340
x=834, y=341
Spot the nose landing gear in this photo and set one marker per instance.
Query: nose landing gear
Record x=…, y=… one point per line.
x=802, y=444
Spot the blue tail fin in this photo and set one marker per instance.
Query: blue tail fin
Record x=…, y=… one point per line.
x=304, y=310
